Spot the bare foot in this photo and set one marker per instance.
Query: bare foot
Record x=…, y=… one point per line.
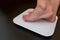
x=34, y=16
x=40, y=13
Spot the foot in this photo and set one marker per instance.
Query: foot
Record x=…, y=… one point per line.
x=40, y=13
x=34, y=15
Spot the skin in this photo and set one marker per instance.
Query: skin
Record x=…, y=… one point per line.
x=45, y=9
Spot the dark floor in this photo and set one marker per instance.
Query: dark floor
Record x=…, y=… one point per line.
x=10, y=31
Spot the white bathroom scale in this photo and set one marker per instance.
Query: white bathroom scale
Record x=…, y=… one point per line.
x=41, y=27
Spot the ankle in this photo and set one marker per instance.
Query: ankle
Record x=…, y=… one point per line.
x=42, y=7
x=42, y=4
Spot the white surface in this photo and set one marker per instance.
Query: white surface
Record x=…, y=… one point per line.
x=41, y=27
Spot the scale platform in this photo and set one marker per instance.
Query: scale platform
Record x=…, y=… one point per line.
x=41, y=27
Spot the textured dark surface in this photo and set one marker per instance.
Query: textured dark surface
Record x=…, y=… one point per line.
x=10, y=31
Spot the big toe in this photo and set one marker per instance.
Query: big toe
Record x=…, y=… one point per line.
x=25, y=17
x=52, y=19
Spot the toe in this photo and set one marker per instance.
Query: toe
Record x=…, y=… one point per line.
x=51, y=19
x=24, y=18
